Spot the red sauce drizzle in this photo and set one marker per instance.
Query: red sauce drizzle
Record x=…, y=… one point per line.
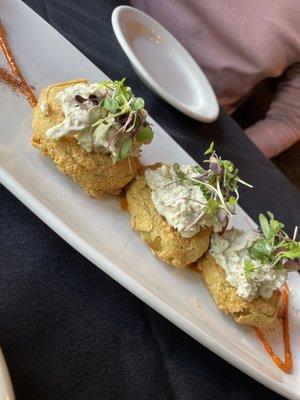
x=20, y=82
x=287, y=365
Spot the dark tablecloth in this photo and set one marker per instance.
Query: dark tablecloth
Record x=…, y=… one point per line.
x=67, y=330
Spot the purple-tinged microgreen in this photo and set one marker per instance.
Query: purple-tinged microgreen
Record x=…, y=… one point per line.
x=124, y=114
x=219, y=184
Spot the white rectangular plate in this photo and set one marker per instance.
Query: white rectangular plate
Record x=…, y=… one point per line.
x=46, y=57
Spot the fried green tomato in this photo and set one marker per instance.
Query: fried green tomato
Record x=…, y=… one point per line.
x=95, y=172
x=258, y=312
x=164, y=241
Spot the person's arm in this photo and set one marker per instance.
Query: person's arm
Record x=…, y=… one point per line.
x=281, y=127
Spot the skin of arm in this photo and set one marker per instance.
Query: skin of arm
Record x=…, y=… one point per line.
x=281, y=127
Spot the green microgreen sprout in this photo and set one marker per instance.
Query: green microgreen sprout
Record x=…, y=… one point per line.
x=249, y=268
x=219, y=184
x=274, y=246
x=124, y=112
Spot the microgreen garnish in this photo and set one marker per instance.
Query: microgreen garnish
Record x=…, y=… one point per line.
x=249, y=268
x=219, y=184
x=210, y=149
x=144, y=135
x=125, y=114
x=110, y=105
x=274, y=246
x=138, y=104
x=125, y=148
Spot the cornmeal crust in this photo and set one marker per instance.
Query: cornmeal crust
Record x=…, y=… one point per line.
x=95, y=172
x=164, y=241
x=258, y=312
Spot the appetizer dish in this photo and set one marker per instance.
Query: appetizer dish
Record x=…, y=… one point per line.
x=93, y=132
x=176, y=207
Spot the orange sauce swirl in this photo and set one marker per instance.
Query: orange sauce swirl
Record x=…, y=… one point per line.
x=21, y=82
x=286, y=365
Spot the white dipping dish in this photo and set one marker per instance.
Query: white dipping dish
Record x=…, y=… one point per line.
x=163, y=64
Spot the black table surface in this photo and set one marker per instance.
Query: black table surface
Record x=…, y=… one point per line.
x=67, y=330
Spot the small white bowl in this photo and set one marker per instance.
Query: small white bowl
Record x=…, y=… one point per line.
x=163, y=64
